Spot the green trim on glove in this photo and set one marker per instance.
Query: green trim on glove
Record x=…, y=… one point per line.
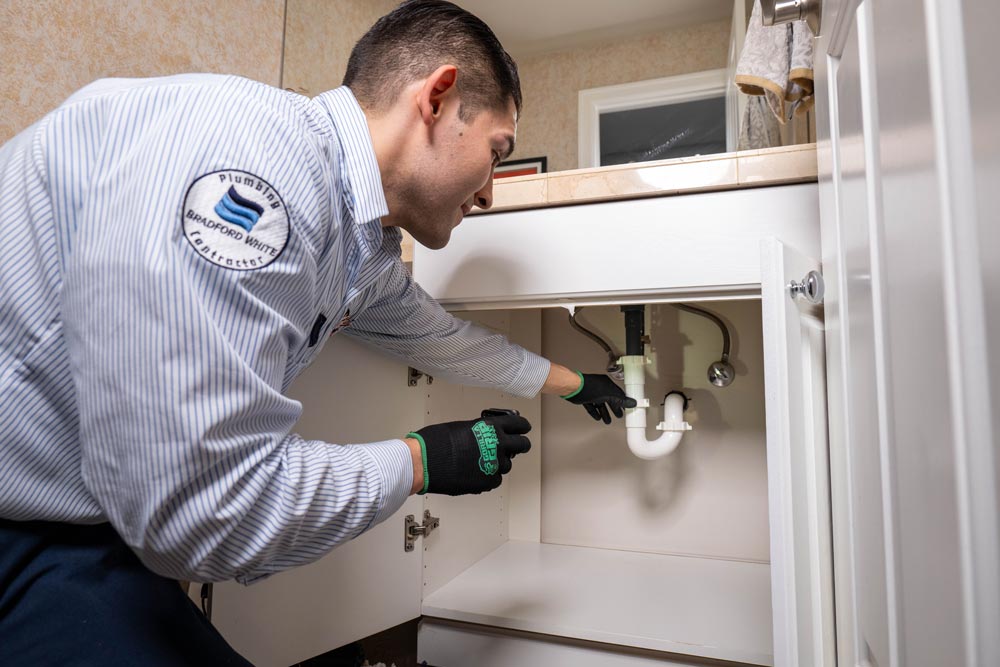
x=578, y=389
x=423, y=458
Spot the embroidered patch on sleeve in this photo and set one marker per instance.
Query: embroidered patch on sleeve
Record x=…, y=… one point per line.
x=235, y=220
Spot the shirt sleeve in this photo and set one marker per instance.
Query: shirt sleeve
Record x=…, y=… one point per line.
x=405, y=322
x=179, y=363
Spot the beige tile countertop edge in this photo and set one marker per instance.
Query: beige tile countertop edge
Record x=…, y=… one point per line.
x=722, y=171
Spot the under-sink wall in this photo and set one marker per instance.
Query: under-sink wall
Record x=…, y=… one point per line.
x=708, y=498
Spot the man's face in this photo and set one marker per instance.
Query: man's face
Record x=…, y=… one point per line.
x=454, y=172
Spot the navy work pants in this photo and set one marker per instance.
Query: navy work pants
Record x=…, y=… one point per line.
x=77, y=595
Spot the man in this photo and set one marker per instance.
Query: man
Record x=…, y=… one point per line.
x=176, y=251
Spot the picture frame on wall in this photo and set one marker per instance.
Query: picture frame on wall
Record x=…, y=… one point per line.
x=523, y=167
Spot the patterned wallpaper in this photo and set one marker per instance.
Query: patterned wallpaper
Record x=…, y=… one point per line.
x=320, y=36
x=318, y=41
x=50, y=48
x=550, y=82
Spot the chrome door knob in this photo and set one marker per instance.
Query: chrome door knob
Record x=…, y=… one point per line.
x=811, y=288
x=775, y=12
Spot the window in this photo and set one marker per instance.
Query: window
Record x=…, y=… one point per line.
x=658, y=119
x=663, y=132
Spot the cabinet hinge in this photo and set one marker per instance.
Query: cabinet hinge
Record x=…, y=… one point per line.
x=413, y=376
x=413, y=530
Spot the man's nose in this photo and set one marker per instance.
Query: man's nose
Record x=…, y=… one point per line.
x=484, y=197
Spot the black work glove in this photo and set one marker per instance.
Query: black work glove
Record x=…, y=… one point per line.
x=597, y=393
x=470, y=456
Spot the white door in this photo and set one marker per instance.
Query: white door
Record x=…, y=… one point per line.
x=797, y=471
x=906, y=254
x=349, y=394
x=860, y=454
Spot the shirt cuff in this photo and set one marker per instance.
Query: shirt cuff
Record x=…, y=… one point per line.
x=532, y=377
x=392, y=463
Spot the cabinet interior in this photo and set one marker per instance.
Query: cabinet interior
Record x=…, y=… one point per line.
x=585, y=540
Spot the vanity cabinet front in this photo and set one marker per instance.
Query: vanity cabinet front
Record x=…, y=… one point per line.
x=587, y=555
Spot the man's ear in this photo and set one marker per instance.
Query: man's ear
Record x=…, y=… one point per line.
x=438, y=88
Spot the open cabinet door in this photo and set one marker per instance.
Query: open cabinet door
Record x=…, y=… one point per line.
x=797, y=463
x=350, y=394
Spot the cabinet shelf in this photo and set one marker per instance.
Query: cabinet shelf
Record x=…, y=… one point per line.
x=693, y=606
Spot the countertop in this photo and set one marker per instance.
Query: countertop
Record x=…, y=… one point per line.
x=701, y=173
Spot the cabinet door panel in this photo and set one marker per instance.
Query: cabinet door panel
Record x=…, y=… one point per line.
x=797, y=464
x=867, y=450
x=916, y=507
x=859, y=448
x=350, y=394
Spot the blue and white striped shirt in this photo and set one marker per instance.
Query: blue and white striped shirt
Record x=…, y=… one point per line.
x=142, y=371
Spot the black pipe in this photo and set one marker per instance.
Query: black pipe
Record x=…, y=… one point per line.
x=635, y=329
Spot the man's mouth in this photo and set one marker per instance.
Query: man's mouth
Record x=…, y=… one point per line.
x=465, y=210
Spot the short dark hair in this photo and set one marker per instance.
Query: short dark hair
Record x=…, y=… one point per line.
x=419, y=36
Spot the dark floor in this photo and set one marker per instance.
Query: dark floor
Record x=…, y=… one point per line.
x=395, y=646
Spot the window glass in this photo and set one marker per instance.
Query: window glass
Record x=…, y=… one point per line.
x=664, y=132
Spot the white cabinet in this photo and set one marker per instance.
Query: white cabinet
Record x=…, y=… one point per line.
x=587, y=555
x=363, y=586
x=908, y=157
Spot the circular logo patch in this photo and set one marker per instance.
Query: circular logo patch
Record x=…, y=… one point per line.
x=235, y=220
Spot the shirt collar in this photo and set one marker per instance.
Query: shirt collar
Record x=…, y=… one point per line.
x=360, y=174
x=392, y=241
